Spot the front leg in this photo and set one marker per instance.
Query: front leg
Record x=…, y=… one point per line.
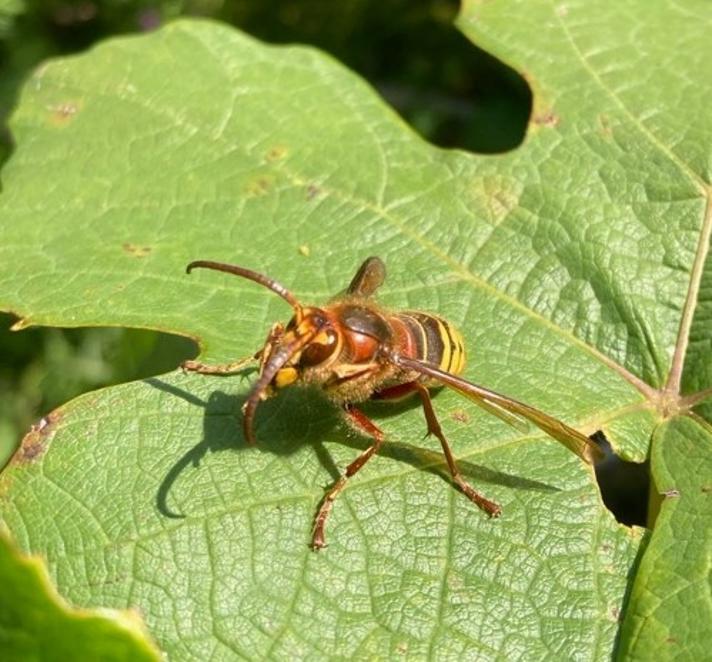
x=220, y=369
x=232, y=368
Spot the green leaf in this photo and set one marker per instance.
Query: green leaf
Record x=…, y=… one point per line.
x=574, y=266
x=411, y=563
x=36, y=624
x=670, y=615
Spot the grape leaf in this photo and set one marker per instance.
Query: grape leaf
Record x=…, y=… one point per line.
x=574, y=265
x=670, y=613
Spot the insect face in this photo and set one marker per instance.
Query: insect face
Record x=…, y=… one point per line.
x=314, y=332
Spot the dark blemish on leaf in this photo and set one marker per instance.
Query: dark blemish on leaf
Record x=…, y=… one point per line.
x=63, y=113
x=460, y=415
x=549, y=118
x=259, y=186
x=312, y=191
x=616, y=613
x=604, y=126
x=31, y=449
x=706, y=489
x=671, y=493
x=670, y=640
x=34, y=443
x=304, y=250
x=276, y=153
x=136, y=251
x=402, y=648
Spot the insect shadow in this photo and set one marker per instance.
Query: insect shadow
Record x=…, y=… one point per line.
x=415, y=452
x=304, y=416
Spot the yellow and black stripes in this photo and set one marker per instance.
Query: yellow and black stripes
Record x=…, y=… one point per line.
x=435, y=340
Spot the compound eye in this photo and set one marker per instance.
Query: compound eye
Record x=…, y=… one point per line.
x=319, y=349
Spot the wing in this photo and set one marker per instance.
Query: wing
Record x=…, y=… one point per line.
x=368, y=278
x=509, y=410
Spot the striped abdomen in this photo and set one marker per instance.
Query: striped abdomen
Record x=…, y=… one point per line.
x=430, y=338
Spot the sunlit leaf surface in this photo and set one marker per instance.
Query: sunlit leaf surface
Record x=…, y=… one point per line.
x=576, y=267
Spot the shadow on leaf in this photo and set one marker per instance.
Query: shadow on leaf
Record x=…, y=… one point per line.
x=303, y=416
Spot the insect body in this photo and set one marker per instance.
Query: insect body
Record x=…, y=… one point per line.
x=355, y=351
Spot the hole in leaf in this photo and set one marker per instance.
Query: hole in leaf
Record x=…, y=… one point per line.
x=624, y=485
x=44, y=367
x=451, y=92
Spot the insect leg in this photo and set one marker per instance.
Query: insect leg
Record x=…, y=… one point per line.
x=364, y=424
x=221, y=369
x=490, y=507
x=275, y=332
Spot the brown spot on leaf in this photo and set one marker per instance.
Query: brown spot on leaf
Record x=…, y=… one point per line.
x=136, y=251
x=312, y=191
x=34, y=443
x=671, y=493
x=460, y=415
x=258, y=186
x=548, y=118
x=304, y=250
x=616, y=613
x=63, y=113
x=604, y=126
x=31, y=449
x=276, y=153
x=706, y=489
